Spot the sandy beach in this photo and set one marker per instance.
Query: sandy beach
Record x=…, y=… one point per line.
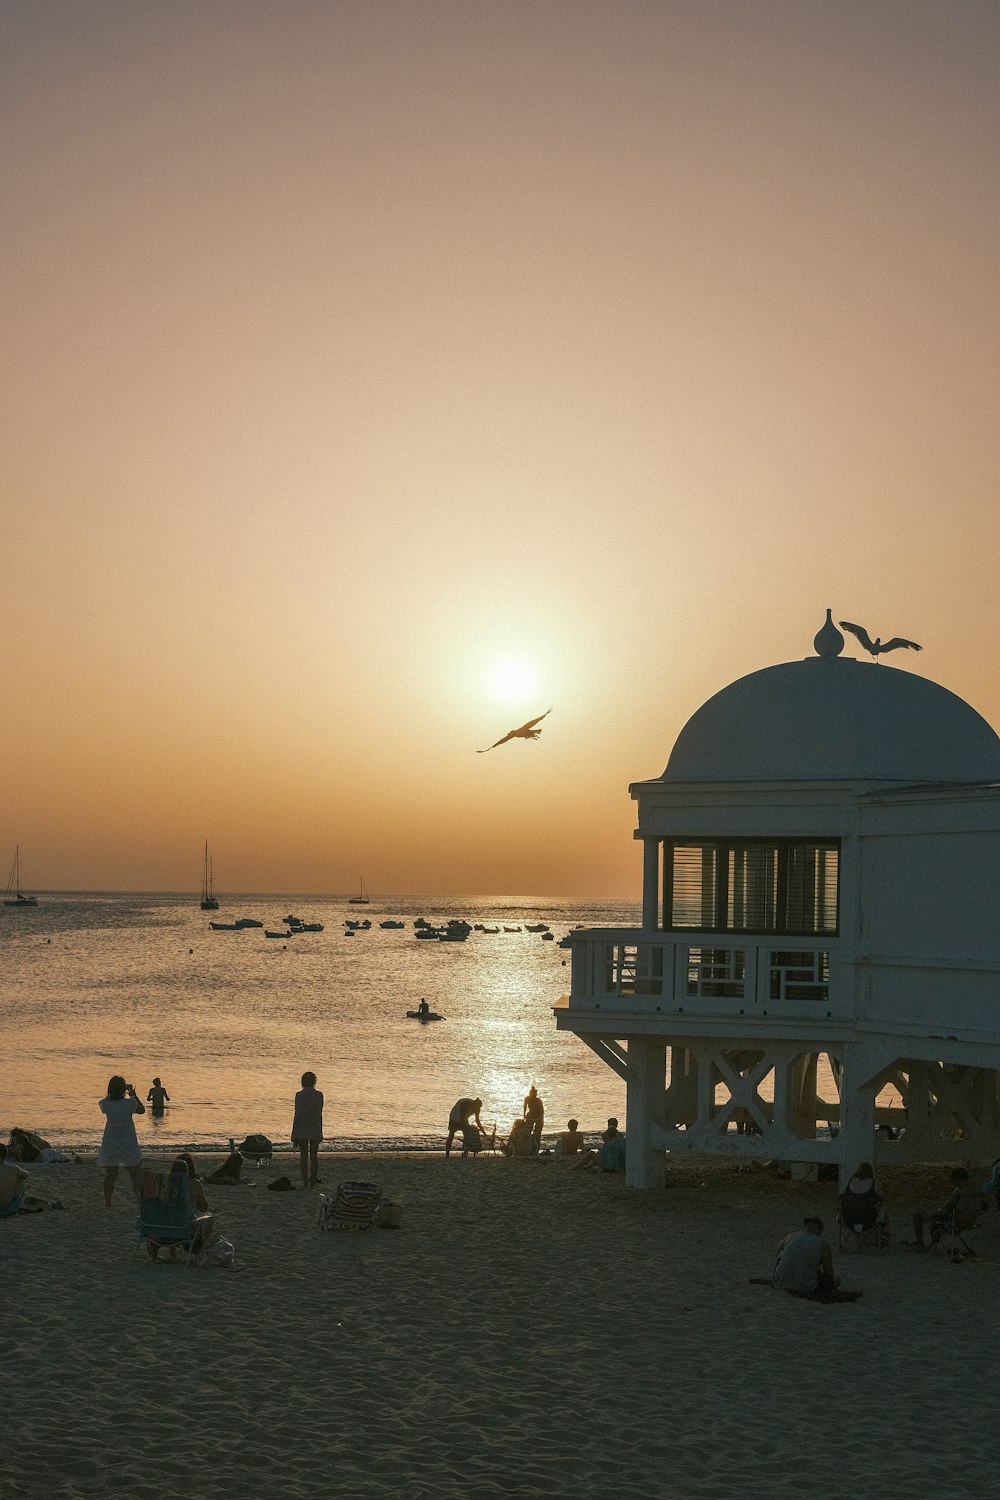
x=528, y=1330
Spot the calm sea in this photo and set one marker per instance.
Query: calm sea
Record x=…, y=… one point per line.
x=96, y=984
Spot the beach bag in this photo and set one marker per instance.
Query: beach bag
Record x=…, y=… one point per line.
x=219, y=1253
x=281, y=1185
x=256, y=1146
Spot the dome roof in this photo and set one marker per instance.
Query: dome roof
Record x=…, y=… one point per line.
x=834, y=719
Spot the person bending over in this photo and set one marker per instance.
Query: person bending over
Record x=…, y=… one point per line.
x=463, y=1112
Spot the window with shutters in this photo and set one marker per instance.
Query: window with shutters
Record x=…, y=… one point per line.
x=751, y=885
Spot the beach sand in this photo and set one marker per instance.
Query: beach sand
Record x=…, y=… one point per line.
x=528, y=1331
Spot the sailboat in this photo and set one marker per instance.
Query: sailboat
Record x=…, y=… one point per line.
x=362, y=899
x=13, y=895
x=208, y=901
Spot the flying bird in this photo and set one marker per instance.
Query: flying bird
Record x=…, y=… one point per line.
x=526, y=732
x=877, y=647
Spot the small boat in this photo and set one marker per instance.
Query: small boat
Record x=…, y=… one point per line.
x=548, y=937
x=489, y=929
x=536, y=926
x=392, y=924
x=512, y=929
x=247, y=922
x=269, y=934
x=14, y=896
x=362, y=898
x=208, y=901
x=429, y=1015
x=306, y=927
x=452, y=935
x=225, y=926
x=428, y=932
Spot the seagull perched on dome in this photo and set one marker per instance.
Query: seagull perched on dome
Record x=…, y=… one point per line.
x=526, y=732
x=877, y=647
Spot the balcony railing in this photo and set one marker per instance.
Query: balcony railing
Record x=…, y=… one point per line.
x=621, y=969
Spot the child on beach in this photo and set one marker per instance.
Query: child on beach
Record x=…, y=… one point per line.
x=307, y=1129
x=157, y=1097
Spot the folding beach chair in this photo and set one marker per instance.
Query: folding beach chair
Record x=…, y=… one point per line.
x=947, y=1236
x=354, y=1205
x=165, y=1216
x=497, y=1144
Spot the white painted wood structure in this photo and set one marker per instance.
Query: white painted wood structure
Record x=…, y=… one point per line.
x=821, y=878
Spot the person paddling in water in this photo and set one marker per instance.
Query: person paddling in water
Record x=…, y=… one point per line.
x=463, y=1112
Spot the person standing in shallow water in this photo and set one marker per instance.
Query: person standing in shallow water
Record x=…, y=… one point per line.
x=120, y=1144
x=157, y=1097
x=307, y=1129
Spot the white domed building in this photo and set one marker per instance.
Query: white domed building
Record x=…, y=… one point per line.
x=817, y=975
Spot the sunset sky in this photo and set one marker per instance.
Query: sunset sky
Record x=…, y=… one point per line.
x=353, y=350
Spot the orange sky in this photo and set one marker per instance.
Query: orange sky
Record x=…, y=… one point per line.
x=351, y=347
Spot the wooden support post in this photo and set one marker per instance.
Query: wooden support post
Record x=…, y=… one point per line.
x=645, y=1164
x=650, y=883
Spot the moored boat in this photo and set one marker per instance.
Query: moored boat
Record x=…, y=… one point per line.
x=14, y=896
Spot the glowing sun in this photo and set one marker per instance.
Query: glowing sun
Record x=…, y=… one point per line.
x=513, y=679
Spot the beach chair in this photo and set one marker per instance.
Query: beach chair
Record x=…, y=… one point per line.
x=165, y=1216
x=354, y=1205
x=947, y=1236
x=497, y=1144
x=861, y=1225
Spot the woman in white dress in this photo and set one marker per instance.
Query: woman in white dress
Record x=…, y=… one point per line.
x=120, y=1145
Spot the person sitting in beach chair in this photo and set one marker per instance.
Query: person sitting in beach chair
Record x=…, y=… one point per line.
x=13, y=1185
x=521, y=1141
x=167, y=1215
x=956, y=1216
x=861, y=1217
x=463, y=1112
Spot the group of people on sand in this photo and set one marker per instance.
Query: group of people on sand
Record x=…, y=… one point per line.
x=120, y=1143
x=804, y=1266
x=525, y=1135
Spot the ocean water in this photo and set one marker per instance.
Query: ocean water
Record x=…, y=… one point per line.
x=97, y=984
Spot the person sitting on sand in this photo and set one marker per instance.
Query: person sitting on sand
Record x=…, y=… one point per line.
x=570, y=1142
x=534, y=1115
x=463, y=1112
x=307, y=1129
x=610, y=1154
x=120, y=1144
x=964, y=1204
x=228, y=1173
x=13, y=1184
x=157, y=1097
x=805, y=1264
x=521, y=1141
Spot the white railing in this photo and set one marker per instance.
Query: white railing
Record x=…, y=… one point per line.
x=631, y=969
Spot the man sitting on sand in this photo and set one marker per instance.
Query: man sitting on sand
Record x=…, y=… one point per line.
x=13, y=1182
x=463, y=1112
x=805, y=1265
x=570, y=1142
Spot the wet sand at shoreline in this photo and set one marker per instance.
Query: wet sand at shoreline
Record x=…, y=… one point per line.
x=528, y=1330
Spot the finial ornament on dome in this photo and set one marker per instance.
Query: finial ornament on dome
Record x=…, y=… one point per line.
x=828, y=639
